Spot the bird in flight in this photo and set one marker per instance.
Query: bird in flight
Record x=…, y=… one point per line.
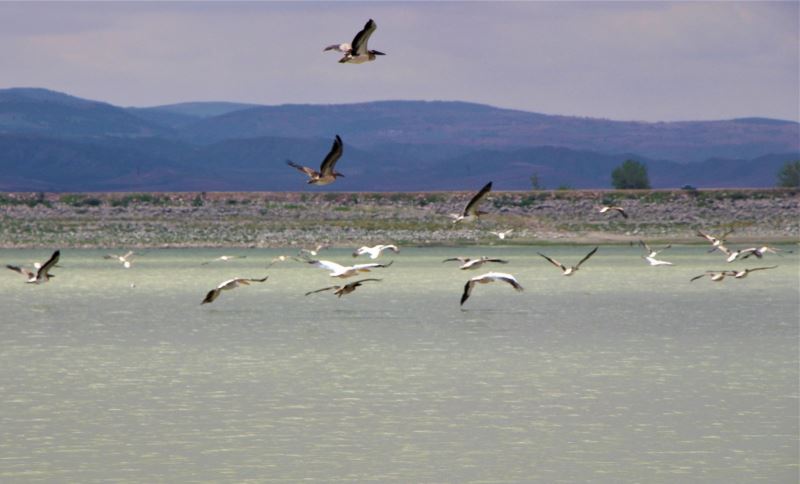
x=357, y=52
x=124, y=259
x=375, y=251
x=652, y=253
x=338, y=270
x=224, y=258
x=716, y=242
x=487, y=278
x=502, y=235
x=343, y=290
x=471, y=211
x=467, y=263
x=760, y=251
x=568, y=271
x=228, y=285
x=326, y=174
x=715, y=276
x=744, y=272
x=312, y=252
x=42, y=275
x=614, y=208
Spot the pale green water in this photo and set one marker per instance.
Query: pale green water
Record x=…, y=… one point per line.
x=622, y=373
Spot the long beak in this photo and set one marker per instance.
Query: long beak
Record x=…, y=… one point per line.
x=377, y=53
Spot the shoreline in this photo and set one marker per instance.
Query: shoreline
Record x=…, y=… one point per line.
x=344, y=219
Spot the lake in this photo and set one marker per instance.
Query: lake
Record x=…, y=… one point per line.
x=620, y=373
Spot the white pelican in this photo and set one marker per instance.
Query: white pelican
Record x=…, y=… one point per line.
x=743, y=273
x=375, y=251
x=312, y=252
x=652, y=253
x=760, y=251
x=124, y=259
x=228, y=285
x=326, y=173
x=338, y=270
x=487, y=278
x=280, y=258
x=224, y=258
x=357, y=51
x=343, y=290
x=502, y=235
x=715, y=276
x=607, y=208
x=471, y=211
x=715, y=242
x=467, y=263
x=43, y=274
x=568, y=271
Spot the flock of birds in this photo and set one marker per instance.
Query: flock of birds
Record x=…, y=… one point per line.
x=357, y=52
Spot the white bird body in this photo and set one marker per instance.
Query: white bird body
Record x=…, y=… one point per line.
x=715, y=276
x=124, y=259
x=340, y=271
x=487, y=278
x=375, y=251
x=744, y=272
x=227, y=286
x=502, y=235
x=656, y=262
x=607, y=208
x=225, y=258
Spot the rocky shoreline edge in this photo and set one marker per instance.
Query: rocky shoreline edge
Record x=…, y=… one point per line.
x=345, y=219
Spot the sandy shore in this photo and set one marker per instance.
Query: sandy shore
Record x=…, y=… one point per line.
x=260, y=219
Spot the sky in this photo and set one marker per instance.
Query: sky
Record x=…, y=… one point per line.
x=646, y=61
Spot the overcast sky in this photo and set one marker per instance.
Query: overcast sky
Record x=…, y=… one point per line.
x=652, y=61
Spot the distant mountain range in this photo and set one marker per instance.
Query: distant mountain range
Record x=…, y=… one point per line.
x=51, y=141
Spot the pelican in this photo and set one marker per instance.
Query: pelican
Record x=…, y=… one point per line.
x=124, y=259
x=343, y=290
x=487, y=278
x=338, y=270
x=652, y=253
x=568, y=271
x=280, y=258
x=224, y=258
x=42, y=275
x=715, y=242
x=502, y=235
x=607, y=208
x=467, y=263
x=715, y=276
x=326, y=173
x=471, y=211
x=375, y=251
x=312, y=252
x=760, y=251
x=743, y=273
x=228, y=285
x=732, y=255
x=357, y=52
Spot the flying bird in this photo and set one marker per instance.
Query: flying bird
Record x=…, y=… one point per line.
x=471, y=211
x=224, y=258
x=343, y=290
x=228, y=285
x=715, y=276
x=760, y=251
x=42, y=275
x=656, y=262
x=487, y=278
x=715, y=242
x=312, y=252
x=743, y=273
x=467, y=263
x=652, y=253
x=124, y=259
x=326, y=173
x=357, y=51
x=338, y=270
x=375, y=251
x=568, y=271
x=280, y=258
x=502, y=235
x=607, y=208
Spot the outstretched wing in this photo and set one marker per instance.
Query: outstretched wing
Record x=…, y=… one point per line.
x=308, y=171
x=211, y=296
x=761, y=268
x=586, y=257
x=324, y=289
x=23, y=271
x=258, y=280
x=326, y=168
x=697, y=277
x=45, y=269
x=472, y=206
x=359, y=45
x=554, y=262
x=327, y=265
x=467, y=291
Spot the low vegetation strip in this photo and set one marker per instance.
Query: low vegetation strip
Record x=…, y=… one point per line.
x=286, y=219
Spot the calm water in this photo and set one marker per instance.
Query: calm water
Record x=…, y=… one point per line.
x=622, y=373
